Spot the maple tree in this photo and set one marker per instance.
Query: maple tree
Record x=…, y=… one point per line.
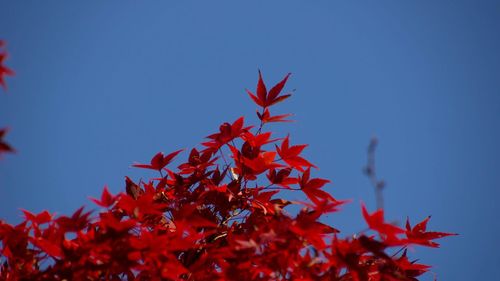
x=220, y=215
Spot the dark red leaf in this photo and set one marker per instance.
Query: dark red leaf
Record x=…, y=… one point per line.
x=387, y=231
x=261, y=89
x=419, y=234
x=107, y=199
x=276, y=90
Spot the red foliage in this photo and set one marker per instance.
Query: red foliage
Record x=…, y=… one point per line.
x=214, y=218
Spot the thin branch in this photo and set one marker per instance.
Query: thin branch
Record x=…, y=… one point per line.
x=261, y=123
x=369, y=170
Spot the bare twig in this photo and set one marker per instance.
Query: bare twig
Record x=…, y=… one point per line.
x=369, y=170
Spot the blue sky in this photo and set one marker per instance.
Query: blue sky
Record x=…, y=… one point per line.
x=102, y=84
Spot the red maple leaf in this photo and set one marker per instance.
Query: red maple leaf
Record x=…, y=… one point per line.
x=257, y=140
x=132, y=189
x=49, y=247
x=411, y=269
x=267, y=118
x=265, y=99
x=281, y=177
x=306, y=225
x=159, y=161
x=78, y=221
x=419, y=235
x=262, y=201
x=107, y=199
x=41, y=218
x=376, y=222
x=312, y=188
x=227, y=133
x=290, y=154
x=250, y=167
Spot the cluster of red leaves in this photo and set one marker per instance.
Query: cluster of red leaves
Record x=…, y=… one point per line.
x=4, y=71
x=214, y=218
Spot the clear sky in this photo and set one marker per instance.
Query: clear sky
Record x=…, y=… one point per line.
x=101, y=84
